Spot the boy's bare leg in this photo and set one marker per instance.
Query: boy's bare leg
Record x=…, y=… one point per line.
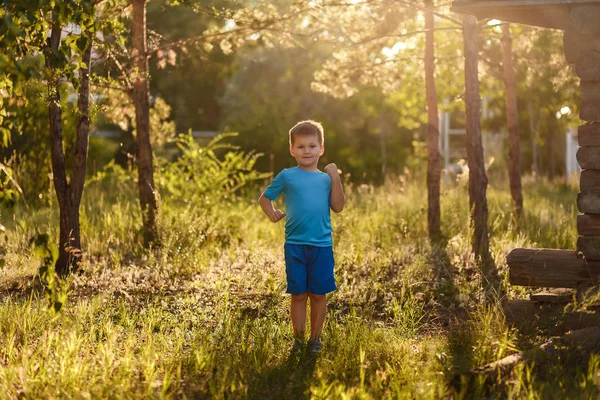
x=318, y=309
x=298, y=314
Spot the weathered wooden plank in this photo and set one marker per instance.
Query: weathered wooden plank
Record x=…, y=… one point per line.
x=552, y=298
x=529, y=312
x=590, y=90
x=589, y=246
x=576, y=44
x=588, y=224
x=589, y=134
x=570, y=47
x=587, y=66
x=589, y=157
x=550, y=268
x=590, y=111
x=585, y=19
x=588, y=202
x=523, y=12
x=589, y=180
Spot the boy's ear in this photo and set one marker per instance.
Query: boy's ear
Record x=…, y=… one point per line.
x=292, y=150
x=322, y=150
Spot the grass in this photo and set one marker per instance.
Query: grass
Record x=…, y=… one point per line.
x=207, y=316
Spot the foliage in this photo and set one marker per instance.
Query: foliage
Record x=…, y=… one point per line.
x=55, y=288
x=200, y=176
x=9, y=188
x=118, y=109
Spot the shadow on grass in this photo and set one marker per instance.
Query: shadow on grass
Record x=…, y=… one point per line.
x=289, y=380
x=23, y=289
x=460, y=336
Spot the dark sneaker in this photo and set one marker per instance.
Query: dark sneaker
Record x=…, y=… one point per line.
x=314, y=346
x=297, y=347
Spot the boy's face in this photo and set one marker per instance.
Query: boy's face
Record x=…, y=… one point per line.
x=307, y=150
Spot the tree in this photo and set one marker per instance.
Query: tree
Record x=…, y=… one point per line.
x=132, y=67
x=477, y=175
x=433, y=134
x=141, y=98
x=69, y=59
x=512, y=117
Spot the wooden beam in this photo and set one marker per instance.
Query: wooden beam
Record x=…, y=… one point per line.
x=590, y=111
x=550, y=268
x=590, y=90
x=549, y=13
x=589, y=157
x=588, y=224
x=528, y=312
x=576, y=44
x=589, y=134
x=585, y=19
x=589, y=246
x=587, y=66
x=589, y=180
x=570, y=47
x=588, y=202
x=553, y=297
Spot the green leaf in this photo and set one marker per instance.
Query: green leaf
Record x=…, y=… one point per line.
x=82, y=43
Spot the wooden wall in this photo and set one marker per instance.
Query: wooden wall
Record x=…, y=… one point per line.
x=582, y=48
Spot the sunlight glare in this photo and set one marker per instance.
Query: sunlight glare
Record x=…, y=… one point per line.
x=229, y=24
x=494, y=22
x=564, y=110
x=390, y=52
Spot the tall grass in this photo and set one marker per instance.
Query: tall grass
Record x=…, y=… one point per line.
x=207, y=317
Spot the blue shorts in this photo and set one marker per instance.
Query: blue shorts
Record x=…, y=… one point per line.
x=309, y=269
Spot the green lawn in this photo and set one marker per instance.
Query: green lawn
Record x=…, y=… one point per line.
x=207, y=316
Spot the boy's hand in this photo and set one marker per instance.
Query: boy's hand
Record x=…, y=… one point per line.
x=332, y=170
x=276, y=215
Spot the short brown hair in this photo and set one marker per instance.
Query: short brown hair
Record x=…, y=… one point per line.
x=307, y=128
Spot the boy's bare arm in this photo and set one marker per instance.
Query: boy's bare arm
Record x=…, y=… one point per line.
x=337, y=198
x=267, y=206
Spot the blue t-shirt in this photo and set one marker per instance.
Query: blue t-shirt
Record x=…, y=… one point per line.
x=307, y=205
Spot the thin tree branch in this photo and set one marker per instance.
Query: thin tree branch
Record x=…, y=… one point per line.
x=411, y=4
x=123, y=89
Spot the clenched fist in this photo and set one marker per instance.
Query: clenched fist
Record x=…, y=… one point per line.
x=276, y=215
x=332, y=170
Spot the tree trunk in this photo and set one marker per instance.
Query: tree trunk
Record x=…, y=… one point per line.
x=68, y=193
x=141, y=99
x=433, y=134
x=514, y=150
x=477, y=175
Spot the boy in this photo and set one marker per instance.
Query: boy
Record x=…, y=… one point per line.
x=309, y=194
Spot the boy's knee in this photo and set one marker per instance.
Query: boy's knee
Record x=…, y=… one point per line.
x=300, y=297
x=317, y=297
